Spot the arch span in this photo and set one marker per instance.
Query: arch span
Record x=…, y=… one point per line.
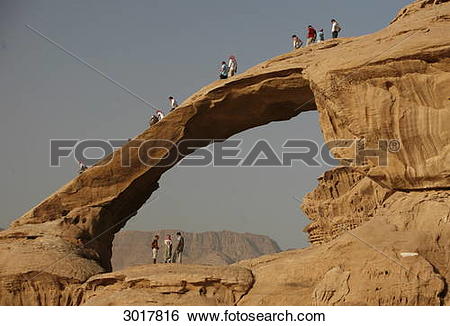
x=387, y=85
x=90, y=209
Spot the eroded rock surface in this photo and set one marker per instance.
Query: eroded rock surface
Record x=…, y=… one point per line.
x=344, y=199
x=365, y=266
x=168, y=284
x=393, y=84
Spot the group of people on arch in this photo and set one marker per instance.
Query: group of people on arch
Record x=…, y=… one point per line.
x=229, y=69
x=312, y=36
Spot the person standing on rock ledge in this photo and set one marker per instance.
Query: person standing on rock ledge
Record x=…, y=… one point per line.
x=153, y=120
x=155, y=248
x=223, y=72
x=160, y=115
x=178, y=255
x=232, y=66
x=173, y=103
x=168, y=249
x=321, y=36
x=83, y=167
x=296, y=42
x=335, y=28
x=312, y=34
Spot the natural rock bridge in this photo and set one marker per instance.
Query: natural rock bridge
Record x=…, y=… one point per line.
x=393, y=84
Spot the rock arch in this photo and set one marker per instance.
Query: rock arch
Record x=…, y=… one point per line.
x=392, y=84
x=90, y=209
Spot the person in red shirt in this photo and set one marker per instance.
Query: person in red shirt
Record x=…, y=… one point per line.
x=312, y=34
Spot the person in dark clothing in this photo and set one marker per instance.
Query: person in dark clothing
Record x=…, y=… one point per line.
x=178, y=254
x=153, y=120
x=321, y=36
x=223, y=70
x=155, y=248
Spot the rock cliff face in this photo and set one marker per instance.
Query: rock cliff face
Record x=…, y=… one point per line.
x=344, y=199
x=380, y=228
x=207, y=248
x=399, y=257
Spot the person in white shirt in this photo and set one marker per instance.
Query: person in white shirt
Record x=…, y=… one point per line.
x=168, y=249
x=83, y=167
x=296, y=42
x=160, y=115
x=335, y=28
x=232, y=66
x=173, y=103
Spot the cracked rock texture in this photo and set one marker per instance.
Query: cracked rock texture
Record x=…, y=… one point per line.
x=392, y=84
x=344, y=199
x=168, y=284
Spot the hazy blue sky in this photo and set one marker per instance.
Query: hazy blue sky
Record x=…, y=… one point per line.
x=156, y=48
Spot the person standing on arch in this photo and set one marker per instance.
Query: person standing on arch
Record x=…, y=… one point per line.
x=153, y=120
x=335, y=28
x=223, y=72
x=232, y=66
x=178, y=254
x=173, y=103
x=83, y=167
x=312, y=34
x=321, y=36
x=296, y=42
x=160, y=115
x=155, y=248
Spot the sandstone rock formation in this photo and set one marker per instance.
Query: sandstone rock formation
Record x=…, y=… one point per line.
x=168, y=284
x=393, y=84
x=365, y=266
x=344, y=199
x=132, y=248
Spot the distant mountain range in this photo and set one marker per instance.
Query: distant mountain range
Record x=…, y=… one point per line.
x=210, y=248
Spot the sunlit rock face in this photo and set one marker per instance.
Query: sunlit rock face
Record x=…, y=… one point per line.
x=344, y=199
x=390, y=85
